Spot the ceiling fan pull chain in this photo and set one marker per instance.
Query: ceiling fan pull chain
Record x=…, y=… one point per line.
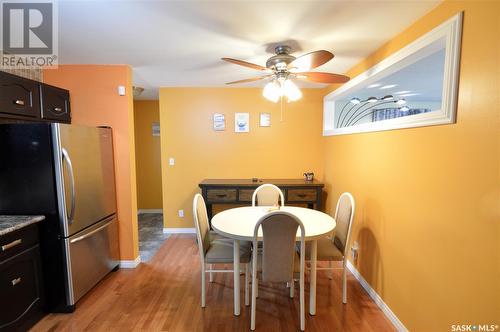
x=281, y=109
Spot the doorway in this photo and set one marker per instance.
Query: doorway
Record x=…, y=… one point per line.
x=148, y=169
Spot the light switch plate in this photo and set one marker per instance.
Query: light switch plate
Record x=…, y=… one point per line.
x=121, y=90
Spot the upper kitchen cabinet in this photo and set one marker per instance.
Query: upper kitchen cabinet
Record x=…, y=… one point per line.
x=19, y=97
x=55, y=103
x=22, y=100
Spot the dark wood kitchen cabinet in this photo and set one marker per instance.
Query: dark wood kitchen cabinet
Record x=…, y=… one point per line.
x=21, y=299
x=55, y=103
x=25, y=100
x=19, y=97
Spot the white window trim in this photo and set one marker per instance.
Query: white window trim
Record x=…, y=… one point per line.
x=452, y=30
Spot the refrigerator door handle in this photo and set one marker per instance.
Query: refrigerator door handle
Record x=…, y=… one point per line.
x=92, y=232
x=65, y=157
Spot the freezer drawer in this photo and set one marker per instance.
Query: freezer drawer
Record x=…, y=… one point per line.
x=93, y=253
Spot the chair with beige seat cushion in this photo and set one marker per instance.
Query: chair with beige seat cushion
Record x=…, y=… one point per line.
x=278, y=261
x=215, y=249
x=267, y=195
x=336, y=248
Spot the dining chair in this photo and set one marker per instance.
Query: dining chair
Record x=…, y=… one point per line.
x=278, y=261
x=267, y=195
x=216, y=249
x=336, y=248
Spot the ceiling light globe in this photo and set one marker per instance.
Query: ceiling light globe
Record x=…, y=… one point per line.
x=372, y=100
x=272, y=91
x=355, y=101
x=291, y=91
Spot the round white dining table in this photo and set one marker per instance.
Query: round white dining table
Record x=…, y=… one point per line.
x=239, y=225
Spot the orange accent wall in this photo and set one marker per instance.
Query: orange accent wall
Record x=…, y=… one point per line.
x=95, y=101
x=285, y=150
x=428, y=218
x=147, y=151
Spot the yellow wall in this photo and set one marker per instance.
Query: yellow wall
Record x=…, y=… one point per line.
x=94, y=102
x=428, y=219
x=147, y=151
x=285, y=150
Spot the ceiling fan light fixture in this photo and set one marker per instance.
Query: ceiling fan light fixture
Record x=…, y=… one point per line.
x=291, y=91
x=272, y=91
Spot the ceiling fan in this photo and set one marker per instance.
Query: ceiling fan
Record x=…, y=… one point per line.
x=283, y=67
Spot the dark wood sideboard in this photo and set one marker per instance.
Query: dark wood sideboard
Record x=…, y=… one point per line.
x=240, y=191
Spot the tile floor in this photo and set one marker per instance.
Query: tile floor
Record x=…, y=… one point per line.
x=151, y=235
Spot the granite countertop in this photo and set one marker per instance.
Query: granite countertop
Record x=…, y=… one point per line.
x=11, y=223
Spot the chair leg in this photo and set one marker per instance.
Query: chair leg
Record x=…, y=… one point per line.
x=247, y=284
x=202, y=285
x=302, y=305
x=330, y=272
x=211, y=277
x=344, y=283
x=292, y=286
x=255, y=286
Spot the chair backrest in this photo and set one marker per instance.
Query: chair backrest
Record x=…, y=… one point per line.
x=279, y=231
x=201, y=223
x=344, y=215
x=267, y=195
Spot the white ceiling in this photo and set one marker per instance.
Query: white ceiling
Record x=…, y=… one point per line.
x=176, y=43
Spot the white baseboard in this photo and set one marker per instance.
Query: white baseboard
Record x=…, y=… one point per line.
x=145, y=211
x=132, y=264
x=377, y=299
x=179, y=230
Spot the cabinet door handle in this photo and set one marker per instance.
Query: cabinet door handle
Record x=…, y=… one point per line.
x=12, y=244
x=301, y=195
x=16, y=281
x=221, y=195
x=57, y=109
x=19, y=102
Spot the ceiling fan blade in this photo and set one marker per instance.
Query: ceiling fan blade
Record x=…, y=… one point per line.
x=246, y=64
x=323, y=77
x=310, y=60
x=253, y=79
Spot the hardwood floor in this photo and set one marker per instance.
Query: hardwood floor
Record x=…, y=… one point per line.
x=164, y=295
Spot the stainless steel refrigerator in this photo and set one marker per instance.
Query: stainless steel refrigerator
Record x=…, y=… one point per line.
x=66, y=173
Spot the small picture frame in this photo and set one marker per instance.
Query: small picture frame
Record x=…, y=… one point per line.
x=241, y=122
x=155, y=128
x=219, y=122
x=265, y=119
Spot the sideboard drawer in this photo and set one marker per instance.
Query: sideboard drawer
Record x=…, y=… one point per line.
x=301, y=195
x=221, y=195
x=245, y=195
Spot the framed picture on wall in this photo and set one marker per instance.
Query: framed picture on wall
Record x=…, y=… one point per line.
x=265, y=119
x=219, y=122
x=241, y=122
